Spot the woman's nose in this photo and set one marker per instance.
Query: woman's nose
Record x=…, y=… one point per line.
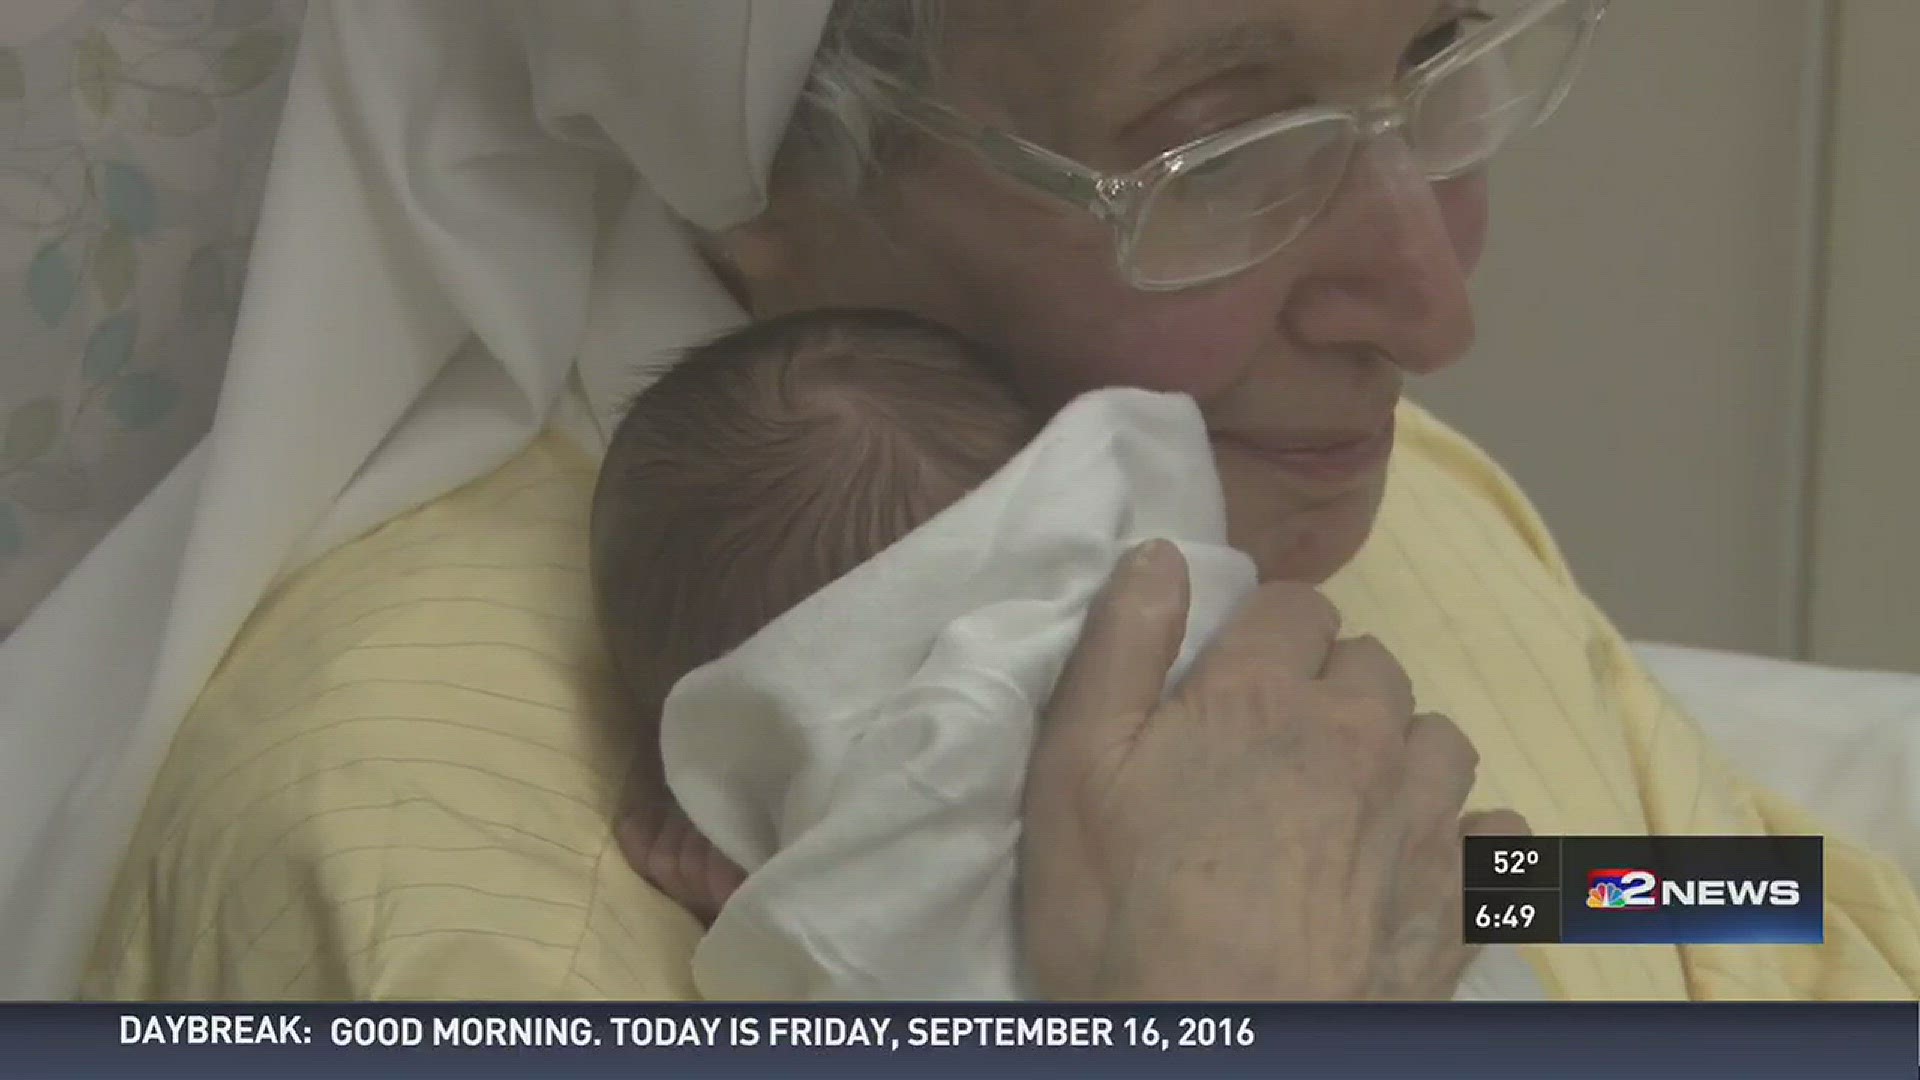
x=1383, y=267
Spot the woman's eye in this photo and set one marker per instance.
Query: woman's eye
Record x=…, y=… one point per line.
x=1210, y=176
x=1444, y=36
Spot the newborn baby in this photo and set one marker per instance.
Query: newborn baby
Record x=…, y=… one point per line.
x=864, y=758
x=704, y=530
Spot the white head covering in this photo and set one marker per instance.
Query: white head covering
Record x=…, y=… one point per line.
x=447, y=229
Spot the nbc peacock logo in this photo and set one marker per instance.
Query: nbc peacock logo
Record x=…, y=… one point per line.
x=1622, y=890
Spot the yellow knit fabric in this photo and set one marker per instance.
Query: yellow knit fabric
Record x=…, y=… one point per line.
x=400, y=781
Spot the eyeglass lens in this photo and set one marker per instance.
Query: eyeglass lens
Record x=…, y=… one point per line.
x=1229, y=212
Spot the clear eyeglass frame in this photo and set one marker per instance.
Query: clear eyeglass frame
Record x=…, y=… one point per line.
x=1124, y=201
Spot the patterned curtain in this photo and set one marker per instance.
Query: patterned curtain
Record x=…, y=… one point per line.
x=134, y=139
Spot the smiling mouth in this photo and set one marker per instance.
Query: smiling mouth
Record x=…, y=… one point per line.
x=1329, y=458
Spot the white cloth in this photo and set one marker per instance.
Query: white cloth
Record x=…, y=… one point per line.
x=862, y=756
x=448, y=227
x=1845, y=744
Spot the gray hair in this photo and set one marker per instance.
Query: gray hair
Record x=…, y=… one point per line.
x=841, y=133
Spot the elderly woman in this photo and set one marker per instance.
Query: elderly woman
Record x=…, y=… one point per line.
x=395, y=785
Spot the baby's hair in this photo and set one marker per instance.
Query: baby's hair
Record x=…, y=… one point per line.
x=774, y=460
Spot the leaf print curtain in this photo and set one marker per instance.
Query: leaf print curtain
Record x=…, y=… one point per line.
x=134, y=137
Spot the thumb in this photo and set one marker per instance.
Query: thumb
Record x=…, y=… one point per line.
x=1131, y=638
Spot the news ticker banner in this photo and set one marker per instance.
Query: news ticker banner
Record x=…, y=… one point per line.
x=1434, y=1042
x=1644, y=890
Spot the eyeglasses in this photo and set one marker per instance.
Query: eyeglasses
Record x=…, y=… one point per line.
x=1221, y=204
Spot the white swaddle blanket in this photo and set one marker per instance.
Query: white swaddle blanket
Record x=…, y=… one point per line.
x=862, y=757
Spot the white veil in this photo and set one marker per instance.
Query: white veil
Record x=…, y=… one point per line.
x=450, y=224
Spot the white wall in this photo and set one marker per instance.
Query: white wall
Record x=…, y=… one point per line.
x=1864, y=589
x=1643, y=369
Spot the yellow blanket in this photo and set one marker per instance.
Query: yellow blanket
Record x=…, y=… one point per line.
x=396, y=785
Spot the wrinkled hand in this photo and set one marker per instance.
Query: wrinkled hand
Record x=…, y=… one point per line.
x=1283, y=827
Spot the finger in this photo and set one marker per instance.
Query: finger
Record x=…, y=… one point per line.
x=1284, y=628
x=723, y=878
x=1132, y=635
x=704, y=876
x=1379, y=867
x=1429, y=954
x=667, y=851
x=638, y=834
x=1441, y=768
x=1495, y=823
x=1449, y=964
x=1363, y=666
x=1424, y=952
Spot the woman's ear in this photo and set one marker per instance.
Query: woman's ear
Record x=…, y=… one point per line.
x=811, y=250
x=753, y=261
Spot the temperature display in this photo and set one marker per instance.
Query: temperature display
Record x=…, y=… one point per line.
x=1512, y=862
x=1515, y=862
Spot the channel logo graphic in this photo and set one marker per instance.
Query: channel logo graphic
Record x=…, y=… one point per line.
x=1623, y=890
x=1643, y=890
x=1691, y=890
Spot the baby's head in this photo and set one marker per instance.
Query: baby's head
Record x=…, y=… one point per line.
x=774, y=460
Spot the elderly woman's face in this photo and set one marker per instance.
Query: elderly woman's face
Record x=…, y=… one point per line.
x=1298, y=362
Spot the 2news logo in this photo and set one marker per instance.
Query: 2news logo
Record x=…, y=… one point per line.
x=1643, y=890
x=1691, y=890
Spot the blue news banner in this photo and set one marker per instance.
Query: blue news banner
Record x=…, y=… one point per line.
x=1432, y=1042
x=1644, y=890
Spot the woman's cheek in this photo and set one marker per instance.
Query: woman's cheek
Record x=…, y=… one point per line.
x=1047, y=291
x=1463, y=206
x=1198, y=343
